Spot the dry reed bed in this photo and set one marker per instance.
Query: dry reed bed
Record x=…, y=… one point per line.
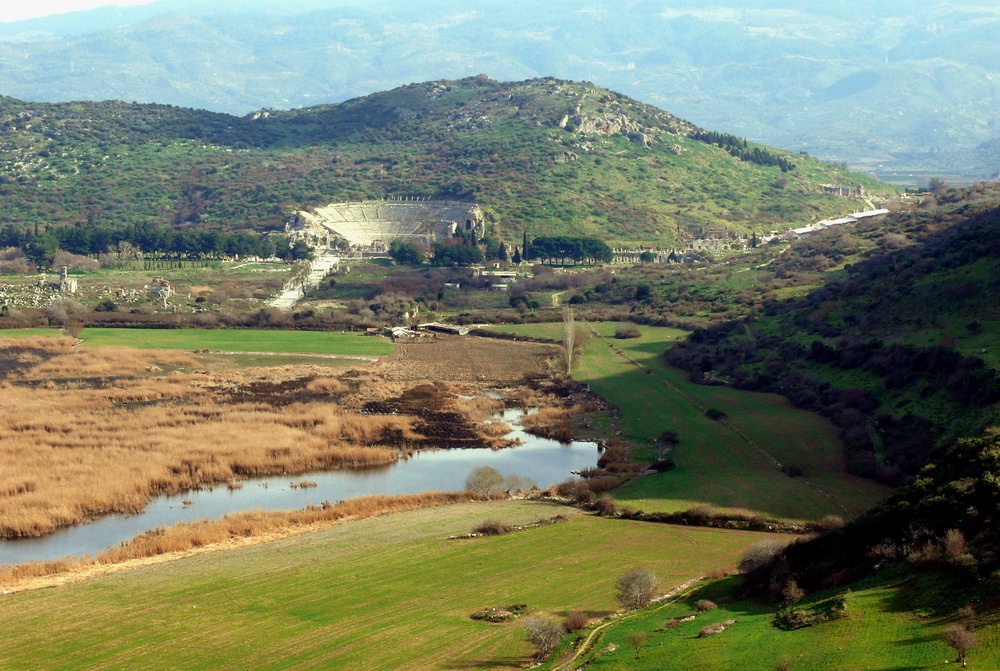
x=90, y=432
x=207, y=533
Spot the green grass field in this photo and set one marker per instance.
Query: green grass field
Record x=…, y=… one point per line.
x=734, y=463
x=884, y=629
x=235, y=340
x=384, y=593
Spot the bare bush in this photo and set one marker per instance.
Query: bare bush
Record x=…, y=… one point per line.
x=491, y=527
x=704, y=604
x=626, y=331
x=955, y=545
x=485, y=481
x=518, y=483
x=636, y=587
x=603, y=483
x=760, y=554
x=926, y=552
x=74, y=261
x=544, y=634
x=960, y=638
x=606, y=506
x=576, y=620
x=715, y=628
x=792, y=593
x=832, y=523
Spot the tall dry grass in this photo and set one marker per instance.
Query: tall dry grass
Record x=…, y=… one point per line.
x=89, y=432
x=204, y=533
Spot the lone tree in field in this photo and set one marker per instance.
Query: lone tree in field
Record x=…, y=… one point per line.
x=962, y=639
x=485, y=481
x=792, y=593
x=637, y=639
x=569, y=338
x=544, y=634
x=636, y=587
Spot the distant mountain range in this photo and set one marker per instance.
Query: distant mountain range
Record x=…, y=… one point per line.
x=542, y=155
x=908, y=88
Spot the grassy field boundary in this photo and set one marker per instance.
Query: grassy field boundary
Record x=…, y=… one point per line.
x=749, y=441
x=335, y=597
x=729, y=463
x=245, y=341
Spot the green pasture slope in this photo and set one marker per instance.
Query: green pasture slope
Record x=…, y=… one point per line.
x=384, y=593
x=892, y=622
x=233, y=340
x=732, y=463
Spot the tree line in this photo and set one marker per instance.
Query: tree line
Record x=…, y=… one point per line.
x=558, y=247
x=41, y=247
x=741, y=149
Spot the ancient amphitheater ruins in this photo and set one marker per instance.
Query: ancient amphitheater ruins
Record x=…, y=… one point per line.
x=369, y=226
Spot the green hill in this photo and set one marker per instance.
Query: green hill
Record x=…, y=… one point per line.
x=542, y=155
x=898, y=349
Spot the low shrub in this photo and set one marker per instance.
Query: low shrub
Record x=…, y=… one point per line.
x=500, y=613
x=603, y=483
x=492, y=528
x=832, y=523
x=715, y=628
x=703, y=605
x=606, y=506
x=576, y=621
x=716, y=414
x=627, y=331
x=663, y=465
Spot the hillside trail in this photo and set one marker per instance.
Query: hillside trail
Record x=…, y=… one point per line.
x=668, y=599
x=296, y=288
x=556, y=297
x=702, y=408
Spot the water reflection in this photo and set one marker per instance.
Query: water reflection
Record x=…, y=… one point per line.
x=539, y=459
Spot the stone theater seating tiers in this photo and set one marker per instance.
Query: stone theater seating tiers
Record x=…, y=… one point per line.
x=371, y=225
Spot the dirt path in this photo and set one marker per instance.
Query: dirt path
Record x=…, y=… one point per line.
x=555, y=298
x=667, y=599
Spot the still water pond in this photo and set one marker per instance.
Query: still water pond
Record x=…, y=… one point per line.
x=541, y=460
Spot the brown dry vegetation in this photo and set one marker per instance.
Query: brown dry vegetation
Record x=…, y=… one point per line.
x=485, y=361
x=206, y=533
x=90, y=432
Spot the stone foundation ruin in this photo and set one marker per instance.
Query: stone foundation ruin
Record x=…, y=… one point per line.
x=369, y=226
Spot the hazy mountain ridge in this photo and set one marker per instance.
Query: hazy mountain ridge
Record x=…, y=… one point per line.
x=918, y=80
